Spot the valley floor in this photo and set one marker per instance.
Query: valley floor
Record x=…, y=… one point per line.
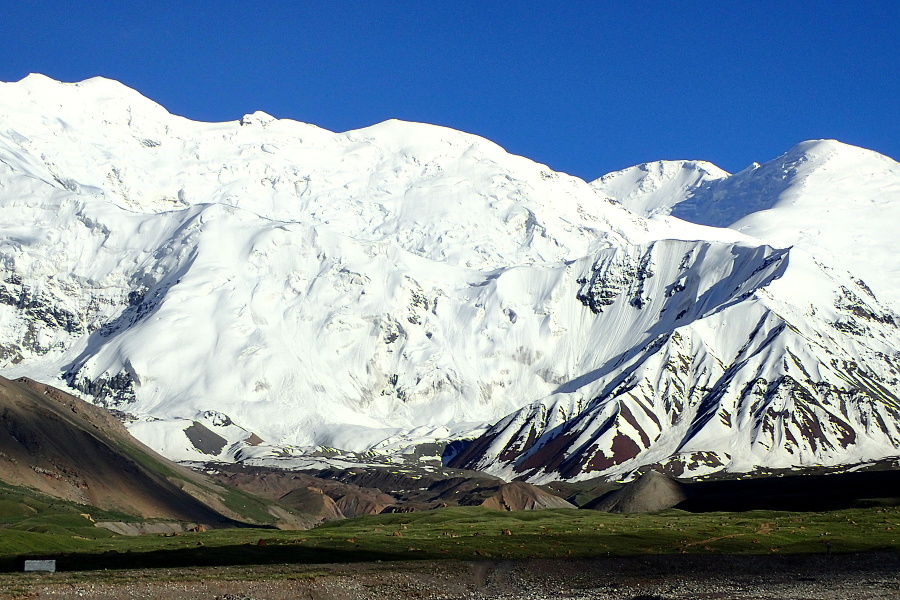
x=723, y=577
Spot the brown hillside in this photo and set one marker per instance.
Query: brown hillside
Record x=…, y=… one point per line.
x=299, y=490
x=519, y=495
x=651, y=492
x=314, y=502
x=64, y=447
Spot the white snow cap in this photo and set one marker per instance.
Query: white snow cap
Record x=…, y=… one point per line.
x=405, y=282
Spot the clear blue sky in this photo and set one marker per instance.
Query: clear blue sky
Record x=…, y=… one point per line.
x=586, y=87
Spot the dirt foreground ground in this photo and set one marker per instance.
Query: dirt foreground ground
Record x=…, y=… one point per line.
x=839, y=577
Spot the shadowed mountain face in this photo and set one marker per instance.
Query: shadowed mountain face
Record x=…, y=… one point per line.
x=66, y=448
x=804, y=492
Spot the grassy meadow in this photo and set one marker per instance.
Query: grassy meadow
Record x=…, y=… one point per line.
x=33, y=527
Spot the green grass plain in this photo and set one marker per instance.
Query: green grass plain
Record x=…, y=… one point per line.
x=35, y=527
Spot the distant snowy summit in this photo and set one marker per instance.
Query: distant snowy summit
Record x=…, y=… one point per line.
x=657, y=187
x=268, y=291
x=838, y=202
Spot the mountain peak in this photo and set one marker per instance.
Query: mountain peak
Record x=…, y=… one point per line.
x=273, y=288
x=98, y=84
x=826, y=197
x=96, y=99
x=37, y=79
x=654, y=187
x=825, y=147
x=258, y=118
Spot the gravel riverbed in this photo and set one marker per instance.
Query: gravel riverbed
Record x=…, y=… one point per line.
x=839, y=577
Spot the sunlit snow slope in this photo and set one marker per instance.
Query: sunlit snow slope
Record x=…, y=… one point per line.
x=839, y=202
x=654, y=188
x=263, y=288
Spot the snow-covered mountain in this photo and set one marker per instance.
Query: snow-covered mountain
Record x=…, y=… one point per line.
x=839, y=202
x=263, y=288
x=657, y=187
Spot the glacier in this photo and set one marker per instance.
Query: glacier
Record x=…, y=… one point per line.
x=295, y=290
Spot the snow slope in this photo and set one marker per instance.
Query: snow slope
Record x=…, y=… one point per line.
x=309, y=286
x=837, y=201
x=736, y=357
x=265, y=288
x=654, y=188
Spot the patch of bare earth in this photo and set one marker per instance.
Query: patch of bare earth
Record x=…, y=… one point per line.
x=680, y=577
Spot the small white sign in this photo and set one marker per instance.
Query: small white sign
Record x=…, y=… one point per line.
x=48, y=566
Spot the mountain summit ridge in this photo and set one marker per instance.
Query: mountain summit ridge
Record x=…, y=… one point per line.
x=290, y=289
x=831, y=199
